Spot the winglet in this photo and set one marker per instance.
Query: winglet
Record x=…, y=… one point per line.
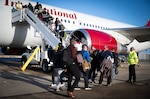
x=148, y=23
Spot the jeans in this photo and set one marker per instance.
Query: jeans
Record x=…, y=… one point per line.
x=112, y=74
x=58, y=71
x=92, y=73
x=73, y=70
x=86, y=76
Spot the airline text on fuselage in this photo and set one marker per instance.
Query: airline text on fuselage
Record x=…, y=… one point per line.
x=51, y=11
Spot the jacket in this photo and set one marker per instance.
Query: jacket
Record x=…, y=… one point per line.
x=86, y=60
x=132, y=58
x=86, y=55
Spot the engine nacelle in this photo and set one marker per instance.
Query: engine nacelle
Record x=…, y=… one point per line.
x=98, y=39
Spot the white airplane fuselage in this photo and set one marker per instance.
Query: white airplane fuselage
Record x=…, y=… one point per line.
x=23, y=34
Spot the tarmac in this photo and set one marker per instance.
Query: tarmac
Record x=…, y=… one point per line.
x=34, y=83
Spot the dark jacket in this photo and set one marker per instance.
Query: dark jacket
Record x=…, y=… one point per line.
x=58, y=60
x=73, y=52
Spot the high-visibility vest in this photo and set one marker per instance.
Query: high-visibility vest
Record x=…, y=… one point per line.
x=133, y=58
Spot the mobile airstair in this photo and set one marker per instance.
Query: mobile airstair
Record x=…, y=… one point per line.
x=46, y=34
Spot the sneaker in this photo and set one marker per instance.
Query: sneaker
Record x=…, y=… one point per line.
x=88, y=88
x=90, y=81
x=108, y=85
x=129, y=81
x=62, y=85
x=53, y=85
x=93, y=82
x=77, y=88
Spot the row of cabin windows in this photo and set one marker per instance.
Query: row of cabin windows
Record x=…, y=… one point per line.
x=67, y=21
x=88, y=25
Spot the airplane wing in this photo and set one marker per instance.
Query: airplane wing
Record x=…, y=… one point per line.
x=139, y=33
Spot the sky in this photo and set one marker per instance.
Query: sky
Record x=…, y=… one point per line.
x=134, y=12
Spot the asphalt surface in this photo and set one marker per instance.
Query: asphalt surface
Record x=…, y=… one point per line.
x=34, y=84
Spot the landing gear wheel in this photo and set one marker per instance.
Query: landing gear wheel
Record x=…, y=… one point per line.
x=45, y=65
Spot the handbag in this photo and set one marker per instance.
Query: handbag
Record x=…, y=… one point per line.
x=86, y=65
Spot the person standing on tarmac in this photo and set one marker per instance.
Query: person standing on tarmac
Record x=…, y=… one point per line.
x=132, y=61
x=115, y=63
x=73, y=70
x=94, y=65
x=86, y=69
x=58, y=66
x=106, y=63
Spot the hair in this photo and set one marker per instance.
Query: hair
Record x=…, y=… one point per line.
x=84, y=45
x=77, y=40
x=60, y=44
x=71, y=40
x=132, y=48
x=60, y=48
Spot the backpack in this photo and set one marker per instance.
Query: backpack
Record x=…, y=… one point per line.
x=66, y=56
x=58, y=60
x=79, y=58
x=51, y=53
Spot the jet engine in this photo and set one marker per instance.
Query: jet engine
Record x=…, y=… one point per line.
x=98, y=39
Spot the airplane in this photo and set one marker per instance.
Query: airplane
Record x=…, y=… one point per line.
x=91, y=30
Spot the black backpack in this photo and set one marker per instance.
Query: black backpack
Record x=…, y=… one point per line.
x=66, y=56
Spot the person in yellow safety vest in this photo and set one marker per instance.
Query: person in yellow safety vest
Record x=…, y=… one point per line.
x=18, y=5
x=132, y=61
x=58, y=46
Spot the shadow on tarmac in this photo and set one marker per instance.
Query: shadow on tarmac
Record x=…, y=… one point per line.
x=139, y=90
